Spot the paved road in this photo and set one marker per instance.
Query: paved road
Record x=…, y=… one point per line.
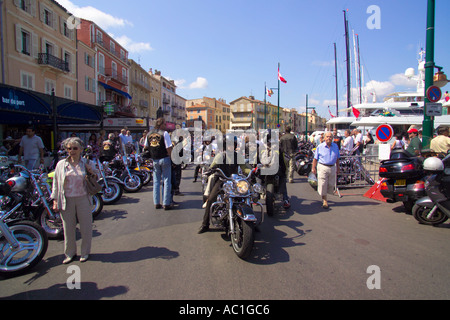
x=304, y=253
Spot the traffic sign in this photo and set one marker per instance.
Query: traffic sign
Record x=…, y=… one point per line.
x=433, y=109
x=384, y=133
x=434, y=94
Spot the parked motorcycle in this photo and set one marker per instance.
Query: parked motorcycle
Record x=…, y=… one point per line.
x=233, y=211
x=119, y=167
x=435, y=208
x=23, y=244
x=404, y=179
x=32, y=191
x=112, y=187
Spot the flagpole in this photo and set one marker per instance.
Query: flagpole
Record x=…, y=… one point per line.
x=279, y=94
x=265, y=106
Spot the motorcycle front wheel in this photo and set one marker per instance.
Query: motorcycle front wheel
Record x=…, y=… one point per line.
x=132, y=183
x=97, y=202
x=243, y=238
x=33, y=244
x=421, y=213
x=52, y=227
x=113, y=193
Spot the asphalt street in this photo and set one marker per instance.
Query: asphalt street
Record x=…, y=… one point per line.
x=359, y=249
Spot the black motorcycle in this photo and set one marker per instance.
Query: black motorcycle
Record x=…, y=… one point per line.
x=403, y=178
x=435, y=208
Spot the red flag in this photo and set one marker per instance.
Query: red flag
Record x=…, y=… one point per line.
x=356, y=112
x=269, y=92
x=331, y=113
x=280, y=77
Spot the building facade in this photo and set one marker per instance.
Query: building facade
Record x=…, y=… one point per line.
x=139, y=89
x=39, y=49
x=249, y=113
x=112, y=70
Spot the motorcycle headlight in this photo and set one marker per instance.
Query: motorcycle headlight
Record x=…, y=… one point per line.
x=242, y=186
x=228, y=187
x=257, y=188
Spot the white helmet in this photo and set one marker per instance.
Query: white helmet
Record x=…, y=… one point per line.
x=433, y=164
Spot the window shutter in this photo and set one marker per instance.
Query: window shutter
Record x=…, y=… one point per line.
x=18, y=38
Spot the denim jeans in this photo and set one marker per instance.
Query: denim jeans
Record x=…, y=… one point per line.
x=162, y=170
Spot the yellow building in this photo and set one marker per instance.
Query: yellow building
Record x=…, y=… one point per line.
x=139, y=89
x=39, y=47
x=222, y=113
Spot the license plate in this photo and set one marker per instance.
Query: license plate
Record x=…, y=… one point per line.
x=400, y=183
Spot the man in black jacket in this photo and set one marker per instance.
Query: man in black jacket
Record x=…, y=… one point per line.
x=289, y=147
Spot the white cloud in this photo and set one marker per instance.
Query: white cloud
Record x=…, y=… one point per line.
x=200, y=83
x=131, y=46
x=104, y=20
x=401, y=80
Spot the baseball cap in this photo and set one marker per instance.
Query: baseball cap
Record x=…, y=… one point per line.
x=413, y=131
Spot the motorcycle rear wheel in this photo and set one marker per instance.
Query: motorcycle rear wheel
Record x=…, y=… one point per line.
x=242, y=240
x=34, y=243
x=420, y=213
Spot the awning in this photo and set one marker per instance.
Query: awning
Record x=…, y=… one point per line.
x=20, y=106
x=123, y=93
x=241, y=125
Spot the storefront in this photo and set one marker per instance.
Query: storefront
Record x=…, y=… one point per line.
x=21, y=108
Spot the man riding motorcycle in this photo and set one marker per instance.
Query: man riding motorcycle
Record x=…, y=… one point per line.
x=229, y=167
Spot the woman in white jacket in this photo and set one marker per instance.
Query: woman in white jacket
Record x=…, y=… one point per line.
x=71, y=198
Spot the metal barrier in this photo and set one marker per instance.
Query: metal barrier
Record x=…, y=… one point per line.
x=357, y=171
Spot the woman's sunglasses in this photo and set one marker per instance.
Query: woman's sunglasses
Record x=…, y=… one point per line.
x=73, y=148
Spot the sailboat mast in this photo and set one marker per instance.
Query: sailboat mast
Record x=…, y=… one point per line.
x=359, y=70
x=347, y=50
x=335, y=72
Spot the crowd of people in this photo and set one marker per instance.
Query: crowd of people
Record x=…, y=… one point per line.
x=70, y=195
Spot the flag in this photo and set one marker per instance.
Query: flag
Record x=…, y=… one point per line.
x=269, y=92
x=356, y=112
x=331, y=113
x=280, y=77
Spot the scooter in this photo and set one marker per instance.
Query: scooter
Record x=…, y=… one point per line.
x=435, y=208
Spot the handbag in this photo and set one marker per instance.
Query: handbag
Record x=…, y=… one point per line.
x=92, y=185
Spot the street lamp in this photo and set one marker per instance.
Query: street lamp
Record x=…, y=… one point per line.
x=306, y=132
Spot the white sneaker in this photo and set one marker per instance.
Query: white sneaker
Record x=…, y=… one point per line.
x=204, y=205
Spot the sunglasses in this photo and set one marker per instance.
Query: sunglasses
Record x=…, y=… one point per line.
x=74, y=149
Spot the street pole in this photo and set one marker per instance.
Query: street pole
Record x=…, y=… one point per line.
x=306, y=132
x=278, y=95
x=265, y=106
x=428, y=122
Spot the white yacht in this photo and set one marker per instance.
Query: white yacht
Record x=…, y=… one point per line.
x=399, y=109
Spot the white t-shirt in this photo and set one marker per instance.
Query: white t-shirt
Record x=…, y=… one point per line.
x=348, y=143
x=31, y=147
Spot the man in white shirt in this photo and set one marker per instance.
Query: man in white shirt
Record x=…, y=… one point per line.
x=358, y=141
x=32, y=149
x=348, y=141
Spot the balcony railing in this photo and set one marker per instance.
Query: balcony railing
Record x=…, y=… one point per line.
x=115, y=75
x=50, y=60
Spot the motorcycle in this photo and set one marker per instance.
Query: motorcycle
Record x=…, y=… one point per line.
x=120, y=168
x=32, y=191
x=435, y=208
x=23, y=244
x=233, y=211
x=304, y=159
x=403, y=179
x=112, y=187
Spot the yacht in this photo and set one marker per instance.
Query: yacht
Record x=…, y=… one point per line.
x=399, y=109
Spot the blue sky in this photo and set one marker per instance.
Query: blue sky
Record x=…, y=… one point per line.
x=228, y=49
